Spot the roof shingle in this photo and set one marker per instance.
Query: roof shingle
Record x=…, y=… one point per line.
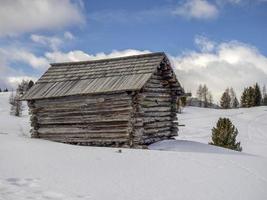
x=96, y=76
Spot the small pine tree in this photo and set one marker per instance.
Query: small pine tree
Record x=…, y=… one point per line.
x=200, y=95
x=0, y=90
x=183, y=101
x=264, y=100
x=224, y=135
x=243, y=100
x=233, y=98
x=6, y=90
x=235, y=103
x=248, y=97
x=264, y=91
x=210, y=99
x=23, y=87
x=31, y=83
x=16, y=104
x=257, y=95
x=225, y=100
x=251, y=97
x=264, y=96
x=205, y=92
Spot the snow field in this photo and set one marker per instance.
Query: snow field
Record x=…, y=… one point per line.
x=176, y=169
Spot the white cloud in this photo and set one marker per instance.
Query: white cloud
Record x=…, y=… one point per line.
x=58, y=56
x=230, y=64
x=204, y=43
x=9, y=76
x=68, y=35
x=198, y=9
x=78, y=55
x=22, y=55
x=52, y=42
x=20, y=16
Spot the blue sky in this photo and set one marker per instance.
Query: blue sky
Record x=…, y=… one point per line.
x=220, y=43
x=117, y=25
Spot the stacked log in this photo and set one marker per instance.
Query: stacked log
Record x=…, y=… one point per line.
x=86, y=120
x=34, y=119
x=156, y=104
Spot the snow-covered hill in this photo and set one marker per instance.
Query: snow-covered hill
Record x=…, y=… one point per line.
x=250, y=122
x=186, y=170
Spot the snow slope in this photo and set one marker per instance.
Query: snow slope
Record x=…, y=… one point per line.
x=186, y=170
x=250, y=122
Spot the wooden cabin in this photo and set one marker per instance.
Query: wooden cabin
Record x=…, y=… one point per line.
x=127, y=101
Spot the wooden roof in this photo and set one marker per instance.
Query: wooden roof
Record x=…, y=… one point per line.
x=97, y=76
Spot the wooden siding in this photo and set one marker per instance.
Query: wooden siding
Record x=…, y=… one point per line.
x=88, y=120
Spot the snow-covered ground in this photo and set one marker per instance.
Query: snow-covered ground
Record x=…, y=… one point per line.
x=184, y=169
x=250, y=122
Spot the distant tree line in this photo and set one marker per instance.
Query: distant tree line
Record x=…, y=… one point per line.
x=4, y=90
x=251, y=96
x=14, y=98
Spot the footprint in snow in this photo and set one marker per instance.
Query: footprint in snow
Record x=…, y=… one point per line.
x=30, y=188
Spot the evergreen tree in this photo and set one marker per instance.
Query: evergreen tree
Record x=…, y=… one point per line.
x=0, y=90
x=183, y=101
x=235, y=103
x=264, y=91
x=264, y=100
x=233, y=98
x=6, y=90
x=225, y=100
x=224, y=135
x=205, y=92
x=30, y=84
x=200, y=95
x=251, y=97
x=244, y=99
x=264, y=96
x=248, y=97
x=210, y=99
x=16, y=104
x=257, y=95
x=23, y=87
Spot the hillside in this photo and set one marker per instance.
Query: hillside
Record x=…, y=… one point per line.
x=250, y=122
x=184, y=168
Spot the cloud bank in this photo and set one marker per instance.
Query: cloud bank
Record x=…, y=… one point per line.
x=227, y=64
x=21, y=16
x=219, y=65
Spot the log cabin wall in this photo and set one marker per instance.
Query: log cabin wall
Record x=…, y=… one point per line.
x=157, y=109
x=101, y=120
x=156, y=105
